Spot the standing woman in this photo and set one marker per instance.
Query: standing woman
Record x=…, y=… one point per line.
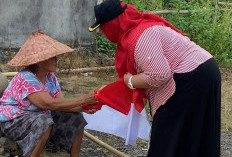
x=32, y=108
x=181, y=80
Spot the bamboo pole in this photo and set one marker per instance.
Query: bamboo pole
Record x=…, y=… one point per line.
x=169, y=11
x=10, y=74
x=224, y=3
x=108, y=147
x=91, y=69
x=182, y=11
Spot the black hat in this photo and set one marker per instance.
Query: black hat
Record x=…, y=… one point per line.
x=106, y=11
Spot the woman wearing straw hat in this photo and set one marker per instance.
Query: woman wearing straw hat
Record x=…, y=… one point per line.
x=33, y=109
x=182, y=80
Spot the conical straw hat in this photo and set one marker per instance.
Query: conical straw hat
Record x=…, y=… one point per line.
x=39, y=47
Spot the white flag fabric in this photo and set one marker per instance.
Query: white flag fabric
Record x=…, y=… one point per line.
x=131, y=126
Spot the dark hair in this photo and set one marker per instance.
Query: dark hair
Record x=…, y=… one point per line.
x=33, y=68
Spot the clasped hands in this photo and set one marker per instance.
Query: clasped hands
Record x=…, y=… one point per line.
x=90, y=99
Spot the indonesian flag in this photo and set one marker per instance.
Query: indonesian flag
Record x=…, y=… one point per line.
x=119, y=116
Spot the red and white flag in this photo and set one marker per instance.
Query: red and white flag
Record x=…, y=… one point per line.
x=119, y=117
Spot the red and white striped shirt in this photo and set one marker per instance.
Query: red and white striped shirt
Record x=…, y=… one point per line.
x=159, y=53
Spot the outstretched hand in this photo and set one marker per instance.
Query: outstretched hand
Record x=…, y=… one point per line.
x=91, y=105
x=90, y=98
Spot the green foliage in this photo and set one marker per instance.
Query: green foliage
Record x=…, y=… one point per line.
x=207, y=24
x=104, y=46
x=142, y=5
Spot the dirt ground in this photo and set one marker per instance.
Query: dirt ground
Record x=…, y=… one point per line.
x=77, y=84
x=226, y=73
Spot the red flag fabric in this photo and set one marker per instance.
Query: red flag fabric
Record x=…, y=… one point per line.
x=117, y=96
x=94, y=106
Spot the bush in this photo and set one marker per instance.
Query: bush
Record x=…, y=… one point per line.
x=207, y=24
x=104, y=46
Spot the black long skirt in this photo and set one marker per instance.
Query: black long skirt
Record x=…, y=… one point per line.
x=188, y=125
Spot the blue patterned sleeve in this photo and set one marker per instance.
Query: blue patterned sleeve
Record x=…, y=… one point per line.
x=52, y=85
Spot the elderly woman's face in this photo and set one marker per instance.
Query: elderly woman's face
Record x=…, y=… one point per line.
x=49, y=65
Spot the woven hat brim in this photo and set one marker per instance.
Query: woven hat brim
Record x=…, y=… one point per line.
x=39, y=47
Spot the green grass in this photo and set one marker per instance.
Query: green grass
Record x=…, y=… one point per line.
x=226, y=124
x=226, y=114
x=91, y=85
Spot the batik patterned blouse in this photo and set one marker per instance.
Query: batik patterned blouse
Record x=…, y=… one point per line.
x=14, y=101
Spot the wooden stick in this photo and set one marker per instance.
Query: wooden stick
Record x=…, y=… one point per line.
x=108, y=147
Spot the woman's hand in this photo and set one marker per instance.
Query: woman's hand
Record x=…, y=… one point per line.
x=89, y=98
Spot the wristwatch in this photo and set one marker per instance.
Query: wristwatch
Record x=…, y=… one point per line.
x=129, y=83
